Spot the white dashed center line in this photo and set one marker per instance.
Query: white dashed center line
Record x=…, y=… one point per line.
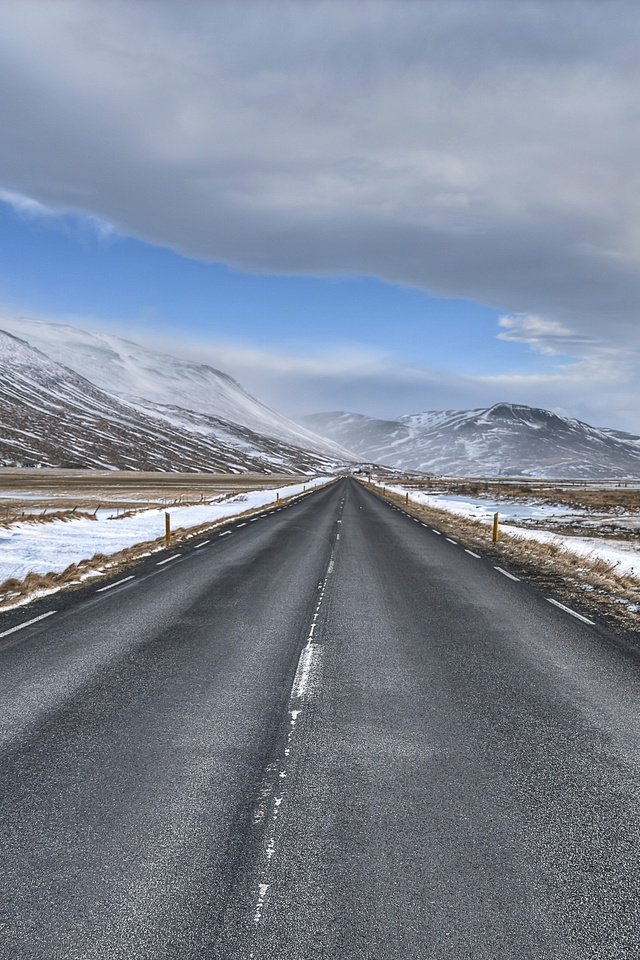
x=472, y=554
x=203, y=544
x=505, y=573
x=271, y=806
x=168, y=560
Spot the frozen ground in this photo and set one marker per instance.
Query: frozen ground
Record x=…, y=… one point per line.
x=483, y=508
x=624, y=554
x=52, y=547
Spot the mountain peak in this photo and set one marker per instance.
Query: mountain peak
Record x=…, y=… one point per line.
x=159, y=384
x=503, y=439
x=73, y=414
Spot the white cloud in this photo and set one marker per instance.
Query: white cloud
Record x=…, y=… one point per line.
x=601, y=388
x=478, y=150
x=25, y=205
x=543, y=336
x=339, y=377
x=33, y=209
x=483, y=150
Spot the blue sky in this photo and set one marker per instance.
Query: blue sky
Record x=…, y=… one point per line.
x=73, y=266
x=360, y=205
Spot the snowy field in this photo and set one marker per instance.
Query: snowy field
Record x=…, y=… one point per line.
x=623, y=554
x=52, y=547
x=483, y=508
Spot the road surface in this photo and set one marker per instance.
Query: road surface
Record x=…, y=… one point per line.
x=327, y=733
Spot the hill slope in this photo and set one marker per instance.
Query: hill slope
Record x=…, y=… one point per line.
x=505, y=439
x=162, y=385
x=50, y=414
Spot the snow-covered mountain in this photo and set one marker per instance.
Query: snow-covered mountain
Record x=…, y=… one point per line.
x=161, y=385
x=50, y=414
x=503, y=440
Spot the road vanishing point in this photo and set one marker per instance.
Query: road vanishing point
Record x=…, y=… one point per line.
x=326, y=732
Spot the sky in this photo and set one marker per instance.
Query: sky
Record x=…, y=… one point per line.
x=384, y=207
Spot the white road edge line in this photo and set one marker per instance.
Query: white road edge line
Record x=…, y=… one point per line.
x=168, y=560
x=505, y=573
x=27, y=623
x=472, y=554
x=568, y=610
x=203, y=544
x=449, y=540
x=240, y=525
x=110, y=586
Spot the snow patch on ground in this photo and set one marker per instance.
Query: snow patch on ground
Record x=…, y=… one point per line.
x=52, y=547
x=624, y=555
x=483, y=508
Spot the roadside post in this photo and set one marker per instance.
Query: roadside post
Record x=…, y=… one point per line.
x=406, y=498
x=495, y=531
x=167, y=528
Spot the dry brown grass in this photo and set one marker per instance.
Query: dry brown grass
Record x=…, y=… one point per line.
x=10, y=519
x=28, y=494
x=606, y=499
x=13, y=590
x=593, y=582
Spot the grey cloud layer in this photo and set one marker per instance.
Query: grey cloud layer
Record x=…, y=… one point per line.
x=485, y=150
x=601, y=389
x=474, y=149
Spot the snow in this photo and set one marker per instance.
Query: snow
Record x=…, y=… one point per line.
x=483, y=508
x=52, y=547
x=152, y=381
x=620, y=553
x=502, y=440
x=624, y=555
x=73, y=422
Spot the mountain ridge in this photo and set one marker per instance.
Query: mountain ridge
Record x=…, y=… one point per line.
x=504, y=439
x=51, y=415
x=160, y=384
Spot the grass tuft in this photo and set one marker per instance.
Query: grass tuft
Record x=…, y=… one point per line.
x=596, y=583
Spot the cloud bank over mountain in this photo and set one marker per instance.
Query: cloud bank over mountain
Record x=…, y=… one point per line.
x=478, y=150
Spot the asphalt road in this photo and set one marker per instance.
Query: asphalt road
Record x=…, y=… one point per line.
x=329, y=733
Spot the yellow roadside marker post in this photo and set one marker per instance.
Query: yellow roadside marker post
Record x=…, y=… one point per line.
x=494, y=535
